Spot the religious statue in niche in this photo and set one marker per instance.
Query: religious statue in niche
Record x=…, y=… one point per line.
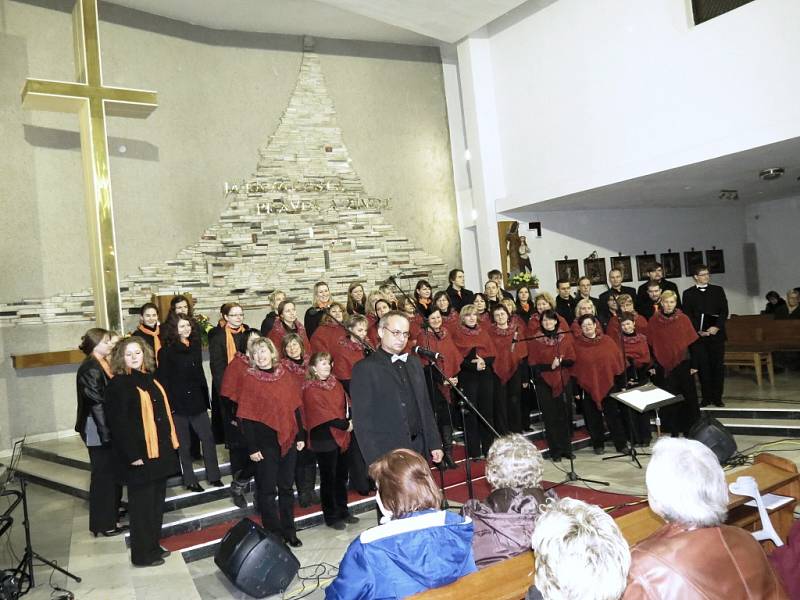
x=715, y=261
x=671, y=261
x=595, y=270
x=643, y=264
x=567, y=269
x=524, y=255
x=623, y=264
x=692, y=258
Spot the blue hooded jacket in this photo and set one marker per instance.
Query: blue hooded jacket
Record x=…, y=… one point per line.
x=424, y=550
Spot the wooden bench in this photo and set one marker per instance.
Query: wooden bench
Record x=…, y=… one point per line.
x=751, y=340
x=510, y=579
x=756, y=359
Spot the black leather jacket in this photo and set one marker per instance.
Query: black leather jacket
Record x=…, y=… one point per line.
x=91, y=387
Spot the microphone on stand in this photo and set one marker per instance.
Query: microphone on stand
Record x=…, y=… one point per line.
x=429, y=354
x=514, y=341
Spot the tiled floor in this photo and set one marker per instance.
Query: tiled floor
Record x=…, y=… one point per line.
x=59, y=525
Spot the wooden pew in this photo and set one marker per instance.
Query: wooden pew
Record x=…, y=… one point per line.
x=753, y=338
x=510, y=579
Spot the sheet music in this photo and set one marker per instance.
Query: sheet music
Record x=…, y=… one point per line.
x=771, y=501
x=641, y=399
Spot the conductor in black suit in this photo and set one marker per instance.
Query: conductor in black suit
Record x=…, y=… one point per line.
x=707, y=308
x=391, y=408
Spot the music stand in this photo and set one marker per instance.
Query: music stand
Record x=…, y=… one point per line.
x=641, y=399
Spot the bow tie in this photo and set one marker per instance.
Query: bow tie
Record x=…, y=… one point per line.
x=702, y=288
x=396, y=357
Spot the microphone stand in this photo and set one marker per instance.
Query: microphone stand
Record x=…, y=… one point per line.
x=572, y=475
x=464, y=404
x=368, y=349
x=391, y=279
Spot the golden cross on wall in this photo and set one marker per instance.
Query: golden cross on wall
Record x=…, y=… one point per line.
x=93, y=101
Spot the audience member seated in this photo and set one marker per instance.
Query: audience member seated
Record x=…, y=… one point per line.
x=580, y=554
x=416, y=547
x=791, y=309
x=774, y=300
x=504, y=521
x=695, y=555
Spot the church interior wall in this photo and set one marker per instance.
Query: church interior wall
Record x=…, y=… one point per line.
x=577, y=234
x=593, y=93
x=221, y=94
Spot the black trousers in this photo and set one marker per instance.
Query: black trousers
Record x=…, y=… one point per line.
x=679, y=417
x=527, y=401
x=146, y=513
x=185, y=425
x=555, y=414
x=275, y=476
x=333, y=468
x=594, y=421
x=242, y=468
x=507, y=404
x=104, y=493
x=305, y=473
x=479, y=389
x=708, y=355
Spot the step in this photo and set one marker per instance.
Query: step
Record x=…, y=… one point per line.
x=60, y=477
x=752, y=412
x=788, y=428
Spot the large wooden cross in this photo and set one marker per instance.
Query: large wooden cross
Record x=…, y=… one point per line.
x=93, y=101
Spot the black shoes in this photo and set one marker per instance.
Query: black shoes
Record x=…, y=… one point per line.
x=304, y=499
x=118, y=530
x=555, y=459
x=195, y=487
x=216, y=484
x=350, y=519
x=292, y=540
x=164, y=552
x=155, y=563
x=337, y=525
x=599, y=450
x=237, y=493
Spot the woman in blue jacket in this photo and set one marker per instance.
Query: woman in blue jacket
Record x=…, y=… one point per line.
x=416, y=547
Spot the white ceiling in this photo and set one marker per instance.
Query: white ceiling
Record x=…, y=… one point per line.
x=422, y=22
x=697, y=184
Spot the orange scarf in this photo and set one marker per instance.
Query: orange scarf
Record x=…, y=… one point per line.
x=186, y=343
x=104, y=365
x=156, y=339
x=149, y=422
x=426, y=302
x=230, y=345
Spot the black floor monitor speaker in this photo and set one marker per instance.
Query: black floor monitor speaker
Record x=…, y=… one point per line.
x=710, y=432
x=255, y=561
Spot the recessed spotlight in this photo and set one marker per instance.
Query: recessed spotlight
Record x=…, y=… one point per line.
x=728, y=195
x=772, y=173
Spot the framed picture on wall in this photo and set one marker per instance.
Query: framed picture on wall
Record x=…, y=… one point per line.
x=672, y=264
x=568, y=269
x=692, y=258
x=715, y=260
x=595, y=269
x=643, y=264
x=623, y=263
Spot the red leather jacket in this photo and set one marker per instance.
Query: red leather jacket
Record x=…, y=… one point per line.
x=710, y=563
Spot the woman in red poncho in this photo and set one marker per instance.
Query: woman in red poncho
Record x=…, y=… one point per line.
x=583, y=307
x=330, y=329
x=550, y=355
x=670, y=333
x=507, y=376
x=599, y=370
x=415, y=322
x=346, y=353
x=625, y=303
x=286, y=323
x=477, y=350
x=269, y=401
x=437, y=338
x=329, y=427
x=636, y=353
x=481, y=302
x=381, y=308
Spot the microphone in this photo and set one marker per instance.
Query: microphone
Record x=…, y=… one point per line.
x=514, y=340
x=429, y=354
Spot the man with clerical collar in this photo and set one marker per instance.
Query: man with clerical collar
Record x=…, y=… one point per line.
x=615, y=288
x=656, y=273
x=458, y=294
x=565, y=301
x=584, y=292
x=650, y=305
x=707, y=307
x=497, y=277
x=391, y=408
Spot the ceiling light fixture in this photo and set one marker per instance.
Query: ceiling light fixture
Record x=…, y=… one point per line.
x=728, y=194
x=770, y=174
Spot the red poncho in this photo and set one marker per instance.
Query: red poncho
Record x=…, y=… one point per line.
x=614, y=330
x=670, y=338
x=534, y=330
x=543, y=350
x=451, y=320
x=268, y=398
x=441, y=342
x=278, y=331
x=324, y=401
x=506, y=361
x=414, y=327
x=346, y=353
x=636, y=349
x=597, y=361
x=466, y=339
x=232, y=378
x=298, y=371
x=326, y=336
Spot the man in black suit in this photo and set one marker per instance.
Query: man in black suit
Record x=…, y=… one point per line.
x=391, y=408
x=585, y=293
x=497, y=277
x=615, y=288
x=707, y=307
x=458, y=294
x=649, y=307
x=656, y=273
x=565, y=301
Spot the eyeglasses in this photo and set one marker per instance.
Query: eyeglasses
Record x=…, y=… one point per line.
x=400, y=334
